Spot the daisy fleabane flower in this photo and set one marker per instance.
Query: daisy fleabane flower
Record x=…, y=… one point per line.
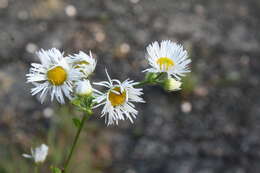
x=84, y=62
x=53, y=75
x=117, y=100
x=38, y=154
x=168, y=57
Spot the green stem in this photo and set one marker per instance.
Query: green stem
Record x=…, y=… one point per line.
x=83, y=120
x=36, y=170
x=144, y=82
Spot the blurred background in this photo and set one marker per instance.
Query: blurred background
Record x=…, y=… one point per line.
x=210, y=126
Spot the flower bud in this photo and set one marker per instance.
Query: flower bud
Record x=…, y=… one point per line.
x=170, y=84
x=83, y=88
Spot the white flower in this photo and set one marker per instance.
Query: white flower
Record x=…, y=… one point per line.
x=54, y=75
x=168, y=57
x=170, y=84
x=86, y=63
x=83, y=87
x=118, y=100
x=38, y=154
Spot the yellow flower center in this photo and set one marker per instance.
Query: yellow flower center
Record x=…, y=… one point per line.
x=117, y=99
x=57, y=75
x=77, y=64
x=165, y=63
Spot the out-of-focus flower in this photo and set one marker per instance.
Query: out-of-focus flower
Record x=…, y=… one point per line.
x=170, y=84
x=83, y=88
x=38, y=154
x=84, y=62
x=168, y=57
x=54, y=75
x=117, y=100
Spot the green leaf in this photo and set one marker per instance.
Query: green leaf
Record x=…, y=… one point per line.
x=55, y=170
x=76, y=102
x=76, y=122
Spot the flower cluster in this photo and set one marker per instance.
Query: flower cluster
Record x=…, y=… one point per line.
x=68, y=76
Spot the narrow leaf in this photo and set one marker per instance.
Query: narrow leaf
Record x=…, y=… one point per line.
x=55, y=170
x=76, y=122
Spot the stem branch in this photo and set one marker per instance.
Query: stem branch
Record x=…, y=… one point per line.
x=142, y=83
x=147, y=81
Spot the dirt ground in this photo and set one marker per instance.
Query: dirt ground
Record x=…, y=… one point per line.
x=211, y=126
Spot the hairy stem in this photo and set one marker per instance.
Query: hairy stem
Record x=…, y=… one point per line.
x=36, y=170
x=148, y=81
x=83, y=120
x=142, y=83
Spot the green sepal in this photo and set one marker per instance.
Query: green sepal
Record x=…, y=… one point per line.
x=83, y=103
